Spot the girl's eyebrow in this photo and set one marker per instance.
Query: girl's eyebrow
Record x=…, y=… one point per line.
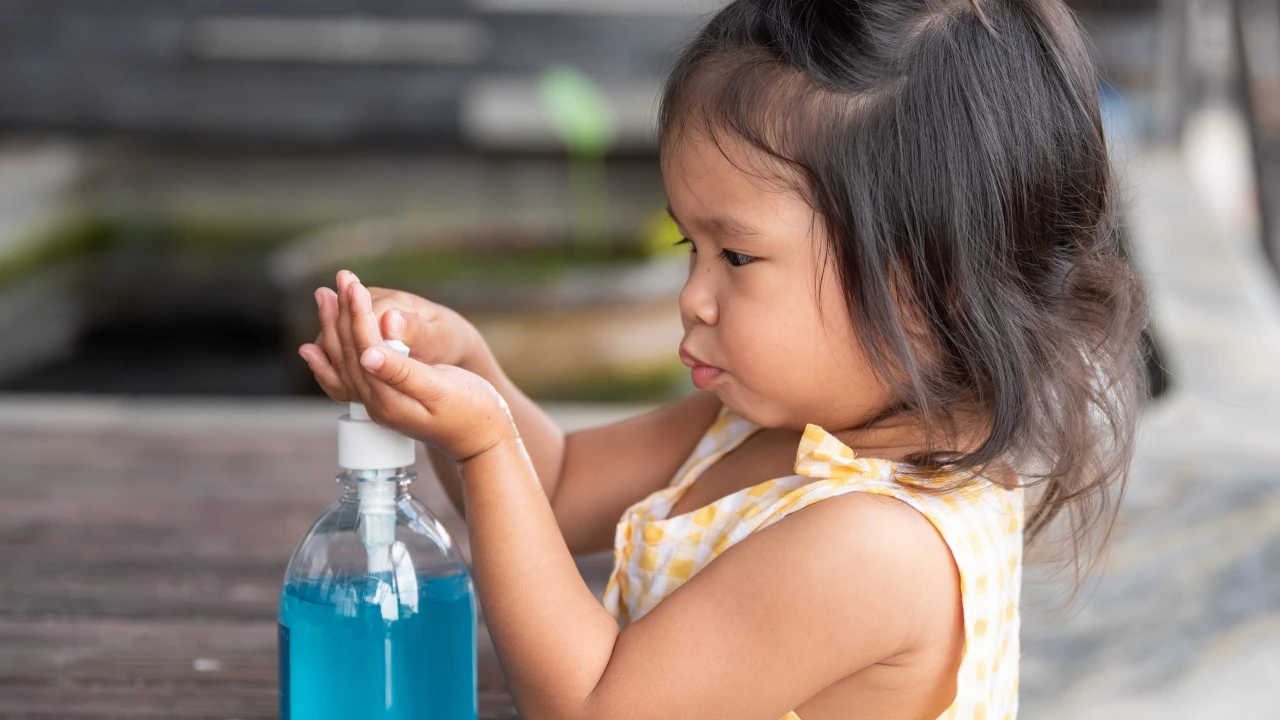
x=722, y=226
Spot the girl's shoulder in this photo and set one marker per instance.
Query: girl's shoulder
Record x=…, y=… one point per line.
x=896, y=572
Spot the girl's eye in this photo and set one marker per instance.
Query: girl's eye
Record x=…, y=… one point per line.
x=735, y=259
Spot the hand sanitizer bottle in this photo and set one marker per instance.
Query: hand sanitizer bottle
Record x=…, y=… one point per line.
x=377, y=616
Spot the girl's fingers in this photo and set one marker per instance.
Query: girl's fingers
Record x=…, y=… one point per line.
x=327, y=302
x=350, y=355
x=364, y=325
x=324, y=371
x=400, y=375
x=394, y=401
x=391, y=384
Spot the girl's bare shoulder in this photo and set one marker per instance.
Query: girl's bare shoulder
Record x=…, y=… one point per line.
x=864, y=538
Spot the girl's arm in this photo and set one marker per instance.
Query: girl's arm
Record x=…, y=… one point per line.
x=543, y=437
x=830, y=590
x=592, y=476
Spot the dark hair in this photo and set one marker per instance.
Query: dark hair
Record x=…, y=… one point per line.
x=954, y=150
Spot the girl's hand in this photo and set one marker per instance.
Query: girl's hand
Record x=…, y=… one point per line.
x=435, y=334
x=443, y=405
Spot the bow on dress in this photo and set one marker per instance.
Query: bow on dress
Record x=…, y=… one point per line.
x=821, y=455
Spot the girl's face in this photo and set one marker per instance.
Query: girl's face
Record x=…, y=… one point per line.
x=761, y=303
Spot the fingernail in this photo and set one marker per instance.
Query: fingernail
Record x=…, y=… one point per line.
x=396, y=323
x=303, y=352
x=372, y=359
x=319, y=298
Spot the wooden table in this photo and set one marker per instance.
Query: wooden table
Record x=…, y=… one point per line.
x=142, y=548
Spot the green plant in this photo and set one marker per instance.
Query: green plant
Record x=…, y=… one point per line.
x=74, y=238
x=581, y=115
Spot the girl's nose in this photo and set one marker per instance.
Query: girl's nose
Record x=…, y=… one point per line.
x=697, y=301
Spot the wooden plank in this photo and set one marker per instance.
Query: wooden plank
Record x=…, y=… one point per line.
x=158, y=653
x=136, y=540
x=188, y=702
x=188, y=524
x=140, y=535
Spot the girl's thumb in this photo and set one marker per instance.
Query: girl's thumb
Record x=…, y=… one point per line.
x=409, y=376
x=395, y=327
x=411, y=329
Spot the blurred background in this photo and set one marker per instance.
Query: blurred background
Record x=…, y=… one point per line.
x=178, y=176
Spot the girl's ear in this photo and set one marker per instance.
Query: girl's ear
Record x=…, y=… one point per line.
x=913, y=317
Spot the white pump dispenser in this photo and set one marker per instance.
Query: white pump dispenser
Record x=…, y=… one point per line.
x=366, y=445
x=377, y=455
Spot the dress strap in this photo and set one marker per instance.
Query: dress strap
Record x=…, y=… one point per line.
x=725, y=433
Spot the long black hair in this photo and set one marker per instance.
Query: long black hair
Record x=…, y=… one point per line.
x=954, y=151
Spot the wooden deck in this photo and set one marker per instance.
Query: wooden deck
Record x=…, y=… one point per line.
x=142, y=548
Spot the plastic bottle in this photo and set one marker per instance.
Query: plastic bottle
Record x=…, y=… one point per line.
x=377, y=615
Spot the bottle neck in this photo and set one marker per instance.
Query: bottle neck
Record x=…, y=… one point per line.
x=381, y=483
x=376, y=493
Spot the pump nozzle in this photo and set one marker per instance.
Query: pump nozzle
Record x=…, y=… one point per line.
x=365, y=445
x=375, y=454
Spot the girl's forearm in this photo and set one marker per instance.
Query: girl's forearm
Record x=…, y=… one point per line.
x=552, y=635
x=542, y=436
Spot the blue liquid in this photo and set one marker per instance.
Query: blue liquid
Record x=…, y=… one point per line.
x=349, y=648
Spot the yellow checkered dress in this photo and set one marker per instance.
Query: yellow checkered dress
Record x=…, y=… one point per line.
x=982, y=524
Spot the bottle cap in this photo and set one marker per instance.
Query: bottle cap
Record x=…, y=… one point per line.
x=366, y=445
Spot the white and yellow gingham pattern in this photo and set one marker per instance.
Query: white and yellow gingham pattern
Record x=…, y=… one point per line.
x=981, y=524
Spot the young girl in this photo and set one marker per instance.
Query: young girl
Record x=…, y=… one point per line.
x=907, y=303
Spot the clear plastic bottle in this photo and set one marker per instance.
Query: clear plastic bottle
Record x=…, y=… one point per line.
x=377, y=614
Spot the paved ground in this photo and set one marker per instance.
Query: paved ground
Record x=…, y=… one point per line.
x=1184, y=621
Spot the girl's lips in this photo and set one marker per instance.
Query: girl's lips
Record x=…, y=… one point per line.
x=703, y=375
